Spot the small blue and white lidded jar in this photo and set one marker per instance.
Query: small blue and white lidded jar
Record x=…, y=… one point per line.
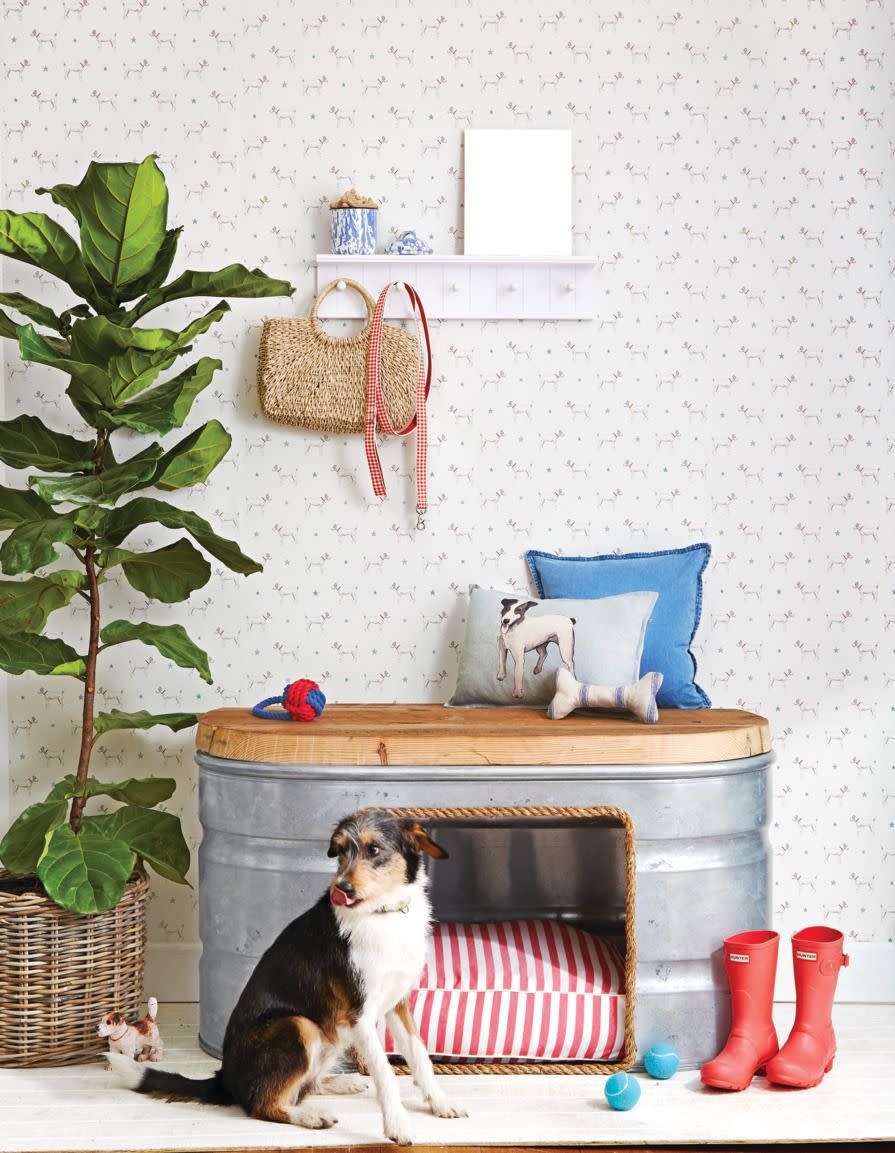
x=353, y=225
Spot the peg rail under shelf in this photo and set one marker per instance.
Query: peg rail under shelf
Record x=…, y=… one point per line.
x=467, y=287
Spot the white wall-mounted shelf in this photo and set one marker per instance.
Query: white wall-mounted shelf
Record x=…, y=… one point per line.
x=467, y=287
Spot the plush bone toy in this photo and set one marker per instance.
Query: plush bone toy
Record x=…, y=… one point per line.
x=638, y=698
x=140, y=1041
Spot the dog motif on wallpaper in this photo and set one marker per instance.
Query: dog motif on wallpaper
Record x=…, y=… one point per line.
x=733, y=386
x=520, y=634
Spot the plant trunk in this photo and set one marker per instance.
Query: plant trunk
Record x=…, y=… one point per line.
x=77, y=805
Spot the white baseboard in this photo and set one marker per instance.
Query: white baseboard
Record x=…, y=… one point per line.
x=172, y=973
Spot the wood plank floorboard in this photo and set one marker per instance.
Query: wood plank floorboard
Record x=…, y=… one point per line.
x=81, y=1108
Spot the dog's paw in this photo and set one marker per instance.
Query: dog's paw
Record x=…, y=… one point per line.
x=397, y=1129
x=517, y=696
x=501, y=676
x=343, y=1083
x=443, y=1106
x=311, y=1117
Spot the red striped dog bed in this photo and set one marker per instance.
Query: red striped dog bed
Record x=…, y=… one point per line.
x=520, y=990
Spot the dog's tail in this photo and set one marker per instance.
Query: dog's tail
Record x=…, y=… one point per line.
x=152, y=1008
x=171, y=1086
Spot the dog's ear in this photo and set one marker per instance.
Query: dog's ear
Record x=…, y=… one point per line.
x=422, y=842
x=507, y=601
x=336, y=844
x=523, y=608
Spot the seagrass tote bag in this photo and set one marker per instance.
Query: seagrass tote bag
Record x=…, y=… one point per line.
x=310, y=379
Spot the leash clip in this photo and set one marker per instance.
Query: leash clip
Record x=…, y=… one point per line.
x=420, y=517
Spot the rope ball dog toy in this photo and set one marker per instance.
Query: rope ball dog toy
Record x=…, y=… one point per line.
x=303, y=700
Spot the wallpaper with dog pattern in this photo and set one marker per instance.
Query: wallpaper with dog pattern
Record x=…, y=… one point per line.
x=733, y=177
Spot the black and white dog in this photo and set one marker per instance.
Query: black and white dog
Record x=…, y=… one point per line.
x=321, y=987
x=520, y=634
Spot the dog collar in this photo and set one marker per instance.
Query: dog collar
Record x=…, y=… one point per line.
x=120, y=1035
x=403, y=907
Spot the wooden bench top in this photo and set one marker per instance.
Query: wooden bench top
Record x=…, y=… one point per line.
x=434, y=735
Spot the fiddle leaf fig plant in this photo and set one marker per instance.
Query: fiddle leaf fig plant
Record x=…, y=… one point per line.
x=83, y=497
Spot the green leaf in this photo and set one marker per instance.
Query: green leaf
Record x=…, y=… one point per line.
x=130, y=373
x=160, y=269
x=36, y=527
x=122, y=210
x=24, y=844
x=147, y=791
x=155, y=836
x=30, y=652
x=38, y=240
x=26, y=442
x=75, y=313
x=110, y=363
x=168, y=574
x=25, y=605
x=96, y=339
x=8, y=327
x=85, y=872
x=167, y=406
x=33, y=309
x=104, y=487
x=90, y=384
x=234, y=280
x=117, y=524
x=65, y=195
x=30, y=546
x=108, y=722
x=19, y=506
x=172, y=641
x=192, y=459
x=201, y=324
x=89, y=516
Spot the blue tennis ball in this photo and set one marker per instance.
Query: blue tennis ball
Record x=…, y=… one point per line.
x=662, y=1062
x=622, y=1091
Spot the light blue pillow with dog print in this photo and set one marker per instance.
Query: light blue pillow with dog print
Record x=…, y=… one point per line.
x=514, y=644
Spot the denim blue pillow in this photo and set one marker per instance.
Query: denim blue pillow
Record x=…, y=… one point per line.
x=675, y=574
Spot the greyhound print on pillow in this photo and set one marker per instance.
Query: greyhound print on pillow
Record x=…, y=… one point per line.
x=514, y=644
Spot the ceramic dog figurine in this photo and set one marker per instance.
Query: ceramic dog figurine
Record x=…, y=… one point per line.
x=520, y=634
x=140, y=1042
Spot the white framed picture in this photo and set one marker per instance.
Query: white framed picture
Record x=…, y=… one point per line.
x=518, y=192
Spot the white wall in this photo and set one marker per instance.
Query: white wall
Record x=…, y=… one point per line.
x=732, y=388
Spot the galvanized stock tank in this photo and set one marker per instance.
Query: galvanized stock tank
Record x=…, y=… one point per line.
x=696, y=785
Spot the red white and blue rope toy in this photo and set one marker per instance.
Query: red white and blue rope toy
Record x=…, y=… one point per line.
x=303, y=700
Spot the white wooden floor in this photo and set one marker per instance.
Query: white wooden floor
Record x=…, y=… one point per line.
x=82, y=1108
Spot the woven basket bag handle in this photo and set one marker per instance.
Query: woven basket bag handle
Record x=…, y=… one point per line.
x=376, y=409
x=369, y=303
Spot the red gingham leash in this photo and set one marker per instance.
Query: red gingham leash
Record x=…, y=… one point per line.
x=376, y=409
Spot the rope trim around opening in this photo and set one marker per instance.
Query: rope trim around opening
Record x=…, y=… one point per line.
x=577, y=814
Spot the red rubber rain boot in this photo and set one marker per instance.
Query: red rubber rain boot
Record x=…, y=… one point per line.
x=817, y=957
x=751, y=963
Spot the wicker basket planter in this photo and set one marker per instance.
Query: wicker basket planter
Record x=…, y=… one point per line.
x=60, y=972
